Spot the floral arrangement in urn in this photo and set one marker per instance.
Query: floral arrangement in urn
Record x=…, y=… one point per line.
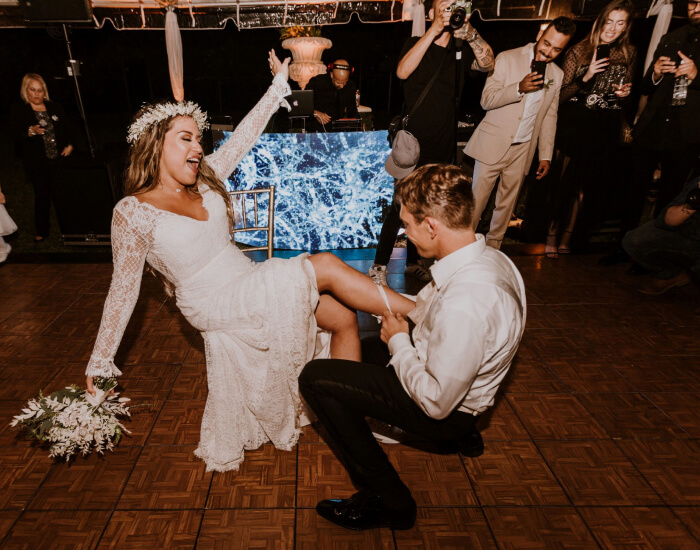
x=298, y=31
x=306, y=45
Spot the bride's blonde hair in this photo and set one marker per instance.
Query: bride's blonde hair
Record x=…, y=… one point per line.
x=142, y=172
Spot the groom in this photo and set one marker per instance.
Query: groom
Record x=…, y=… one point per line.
x=433, y=374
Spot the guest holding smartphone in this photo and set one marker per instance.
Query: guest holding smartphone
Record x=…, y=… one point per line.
x=597, y=79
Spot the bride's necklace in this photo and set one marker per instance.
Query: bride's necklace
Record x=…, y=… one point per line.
x=178, y=190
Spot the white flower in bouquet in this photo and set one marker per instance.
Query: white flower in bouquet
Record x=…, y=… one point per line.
x=73, y=420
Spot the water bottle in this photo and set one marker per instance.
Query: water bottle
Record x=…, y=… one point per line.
x=680, y=90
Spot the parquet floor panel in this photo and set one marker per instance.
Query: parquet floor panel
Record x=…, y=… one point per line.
x=266, y=479
x=555, y=416
x=557, y=344
x=447, y=529
x=682, y=408
x=672, y=468
x=690, y=517
x=630, y=416
x=531, y=376
x=638, y=527
x=247, y=529
x=593, y=440
x=167, y=478
x=514, y=473
x=7, y=520
x=501, y=423
x=78, y=529
x=534, y=528
x=434, y=479
x=597, y=473
x=191, y=383
x=93, y=482
x=653, y=373
x=589, y=375
x=320, y=476
x=315, y=533
x=179, y=423
x=150, y=529
x=22, y=469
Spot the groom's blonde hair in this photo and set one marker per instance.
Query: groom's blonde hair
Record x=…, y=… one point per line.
x=441, y=191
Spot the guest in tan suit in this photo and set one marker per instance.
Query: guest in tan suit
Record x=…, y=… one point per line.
x=521, y=112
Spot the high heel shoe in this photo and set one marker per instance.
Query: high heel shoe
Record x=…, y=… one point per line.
x=550, y=250
x=564, y=249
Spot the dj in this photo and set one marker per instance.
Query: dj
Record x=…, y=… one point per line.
x=334, y=94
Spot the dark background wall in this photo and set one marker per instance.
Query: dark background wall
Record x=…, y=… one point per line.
x=225, y=70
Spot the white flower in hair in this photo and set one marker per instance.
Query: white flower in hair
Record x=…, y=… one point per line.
x=164, y=111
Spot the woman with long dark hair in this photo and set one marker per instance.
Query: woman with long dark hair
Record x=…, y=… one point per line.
x=258, y=321
x=597, y=79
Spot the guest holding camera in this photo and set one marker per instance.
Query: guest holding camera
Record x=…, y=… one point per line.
x=43, y=135
x=597, y=79
x=428, y=64
x=670, y=245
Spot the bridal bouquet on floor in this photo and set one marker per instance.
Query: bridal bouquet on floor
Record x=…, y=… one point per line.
x=73, y=420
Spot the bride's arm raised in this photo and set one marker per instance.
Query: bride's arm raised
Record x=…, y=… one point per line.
x=129, y=248
x=227, y=157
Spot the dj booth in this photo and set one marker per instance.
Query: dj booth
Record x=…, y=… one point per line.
x=331, y=188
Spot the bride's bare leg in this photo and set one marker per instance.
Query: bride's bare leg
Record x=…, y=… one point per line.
x=341, y=321
x=354, y=289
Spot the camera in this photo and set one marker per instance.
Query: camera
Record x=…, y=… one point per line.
x=460, y=9
x=693, y=199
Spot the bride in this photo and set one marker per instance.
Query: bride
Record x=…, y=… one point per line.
x=258, y=321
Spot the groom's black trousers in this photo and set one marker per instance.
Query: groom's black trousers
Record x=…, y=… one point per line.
x=342, y=393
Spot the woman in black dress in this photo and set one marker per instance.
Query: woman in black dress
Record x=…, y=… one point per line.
x=597, y=79
x=42, y=132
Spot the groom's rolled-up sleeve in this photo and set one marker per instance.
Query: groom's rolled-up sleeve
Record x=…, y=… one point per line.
x=439, y=382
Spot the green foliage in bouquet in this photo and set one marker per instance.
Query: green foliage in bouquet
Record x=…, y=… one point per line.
x=73, y=420
x=298, y=31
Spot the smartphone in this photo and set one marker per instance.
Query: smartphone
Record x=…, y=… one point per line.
x=539, y=67
x=602, y=51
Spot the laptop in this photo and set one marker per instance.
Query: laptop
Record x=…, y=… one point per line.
x=302, y=103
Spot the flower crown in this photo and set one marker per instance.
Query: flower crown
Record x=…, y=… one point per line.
x=164, y=111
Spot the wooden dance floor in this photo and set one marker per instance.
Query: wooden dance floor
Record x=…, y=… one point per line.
x=594, y=441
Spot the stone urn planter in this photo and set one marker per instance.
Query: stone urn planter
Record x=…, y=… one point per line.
x=306, y=57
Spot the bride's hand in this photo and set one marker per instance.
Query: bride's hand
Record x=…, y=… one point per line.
x=277, y=66
x=90, y=386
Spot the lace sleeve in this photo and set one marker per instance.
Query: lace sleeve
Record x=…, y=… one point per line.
x=129, y=249
x=227, y=157
x=571, y=83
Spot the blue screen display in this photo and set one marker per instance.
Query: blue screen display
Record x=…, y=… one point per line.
x=331, y=189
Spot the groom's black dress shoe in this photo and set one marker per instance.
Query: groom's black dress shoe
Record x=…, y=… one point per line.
x=471, y=445
x=364, y=511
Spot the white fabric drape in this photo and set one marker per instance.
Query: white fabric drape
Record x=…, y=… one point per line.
x=663, y=9
x=173, y=43
x=418, y=13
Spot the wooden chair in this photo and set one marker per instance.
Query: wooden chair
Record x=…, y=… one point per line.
x=238, y=199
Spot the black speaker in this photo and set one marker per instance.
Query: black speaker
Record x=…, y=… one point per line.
x=56, y=11
x=83, y=194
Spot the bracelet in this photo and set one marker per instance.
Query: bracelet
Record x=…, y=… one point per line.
x=31, y=132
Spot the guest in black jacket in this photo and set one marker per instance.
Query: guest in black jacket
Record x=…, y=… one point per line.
x=42, y=133
x=665, y=133
x=334, y=94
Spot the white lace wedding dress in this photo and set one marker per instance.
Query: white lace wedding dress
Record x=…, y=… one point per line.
x=257, y=320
